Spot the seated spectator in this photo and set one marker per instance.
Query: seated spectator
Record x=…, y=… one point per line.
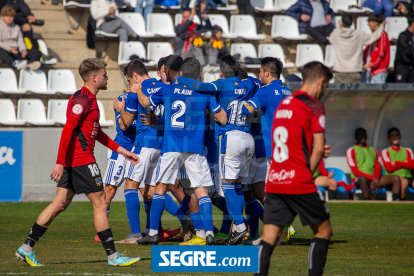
x=323, y=178
x=245, y=7
x=380, y=7
x=216, y=48
x=149, y=6
x=315, y=18
x=12, y=47
x=404, y=58
x=189, y=43
x=398, y=161
x=376, y=55
x=348, y=43
x=366, y=170
x=406, y=8
x=105, y=12
x=24, y=18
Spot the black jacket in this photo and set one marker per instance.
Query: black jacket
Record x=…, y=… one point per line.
x=405, y=49
x=181, y=31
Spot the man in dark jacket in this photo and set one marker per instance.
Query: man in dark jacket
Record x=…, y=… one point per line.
x=315, y=18
x=188, y=31
x=404, y=58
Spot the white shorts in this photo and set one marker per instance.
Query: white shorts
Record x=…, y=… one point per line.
x=114, y=174
x=195, y=166
x=236, y=150
x=257, y=171
x=144, y=171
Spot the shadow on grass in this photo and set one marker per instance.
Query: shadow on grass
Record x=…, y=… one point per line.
x=307, y=242
x=93, y=262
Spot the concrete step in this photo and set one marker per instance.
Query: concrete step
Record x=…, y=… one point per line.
x=52, y=26
x=52, y=43
x=72, y=54
x=47, y=15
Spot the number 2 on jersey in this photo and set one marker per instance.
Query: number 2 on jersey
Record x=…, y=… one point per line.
x=180, y=105
x=281, y=151
x=236, y=116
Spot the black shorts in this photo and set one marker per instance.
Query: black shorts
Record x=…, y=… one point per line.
x=83, y=179
x=282, y=209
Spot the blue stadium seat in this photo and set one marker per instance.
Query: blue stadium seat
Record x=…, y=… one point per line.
x=410, y=190
x=339, y=176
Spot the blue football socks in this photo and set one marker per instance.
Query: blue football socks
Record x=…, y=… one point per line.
x=133, y=206
x=206, y=211
x=233, y=203
x=157, y=208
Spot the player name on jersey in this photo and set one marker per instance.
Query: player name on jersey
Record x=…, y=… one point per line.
x=284, y=114
x=187, y=92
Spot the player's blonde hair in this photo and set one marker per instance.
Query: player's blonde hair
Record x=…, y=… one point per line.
x=89, y=66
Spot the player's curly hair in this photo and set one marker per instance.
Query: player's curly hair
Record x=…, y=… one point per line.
x=229, y=66
x=191, y=68
x=135, y=66
x=161, y=62
x=89, y=66
x=173, y=62
x=392, y=130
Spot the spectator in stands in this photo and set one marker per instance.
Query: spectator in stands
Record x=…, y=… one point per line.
x=12, y=47
x=376, y=55
x=406, y=8
x=348, y=43
x=323, y=178
x=366, y=170
x=24, y=18
x=315, y=18
x=149, y=6
x=404, y=58
x=216, y=48
x=105, y=12
x=398, y=161
x=189, y=43
x=379, y=7
x=245, y=7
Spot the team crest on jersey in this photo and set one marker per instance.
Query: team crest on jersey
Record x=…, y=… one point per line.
x=98, y=181
x=77, y=109
x=322, y=121
x=116, y=178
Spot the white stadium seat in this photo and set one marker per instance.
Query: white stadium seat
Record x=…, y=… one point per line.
x=308, y=52
x=252, y=75
x=34, y=81
x=74, y=4
x=245, y=50
x=210, y=77
x=153, y=74
x=157, y=50
x=393, y=51
x=221, y=20
x=245, y=26
x=127, y=49
x=179, y=18
x=283, y=5
x=362, y=24
x=33, y=112
x=136, y=22
x=160, y=24
x=62, y=81
x=99, y=33
x=274, y=50
x=263, y=5
x=9, y=82
x=282, y=78
x=286, y=27
x=347, y=6
x=395, y=25
x=102, y=119
x=56, y=111
x=329, y=56
x=8, y=114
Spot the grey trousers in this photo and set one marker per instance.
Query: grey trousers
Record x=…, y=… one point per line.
x=118, y=26
x=348, y=77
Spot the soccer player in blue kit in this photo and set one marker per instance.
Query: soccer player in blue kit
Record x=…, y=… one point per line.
x=183, y=146
x=237, y=144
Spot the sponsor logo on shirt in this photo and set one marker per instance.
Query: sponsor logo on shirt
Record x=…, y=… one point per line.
x=284, y=113
x=322, y=121
x=98, y=181
x=240, y=91
x=183, y=91
x=286, y=92
x=77, y=109
x=287, y=100
x=95, y=130
x=282, y=175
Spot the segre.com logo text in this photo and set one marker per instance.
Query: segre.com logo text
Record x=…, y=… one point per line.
x=204, y=259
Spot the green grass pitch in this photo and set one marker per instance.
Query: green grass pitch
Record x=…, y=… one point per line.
x=369, y=239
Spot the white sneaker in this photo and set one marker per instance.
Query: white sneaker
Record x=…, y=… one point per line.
x=130, y=239
x=35, y=65
x=20, y=64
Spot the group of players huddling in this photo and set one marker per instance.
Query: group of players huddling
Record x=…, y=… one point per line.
x=168, y=134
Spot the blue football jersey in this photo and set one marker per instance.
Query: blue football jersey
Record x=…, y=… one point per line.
x=184, y=117
x=232, y=94
x=211, y=142
x=126, y=138
x=256, y=130
x=268, y=98
x=149, y=136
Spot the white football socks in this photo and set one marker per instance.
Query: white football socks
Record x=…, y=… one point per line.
x=239, y=228
x=201, y=233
